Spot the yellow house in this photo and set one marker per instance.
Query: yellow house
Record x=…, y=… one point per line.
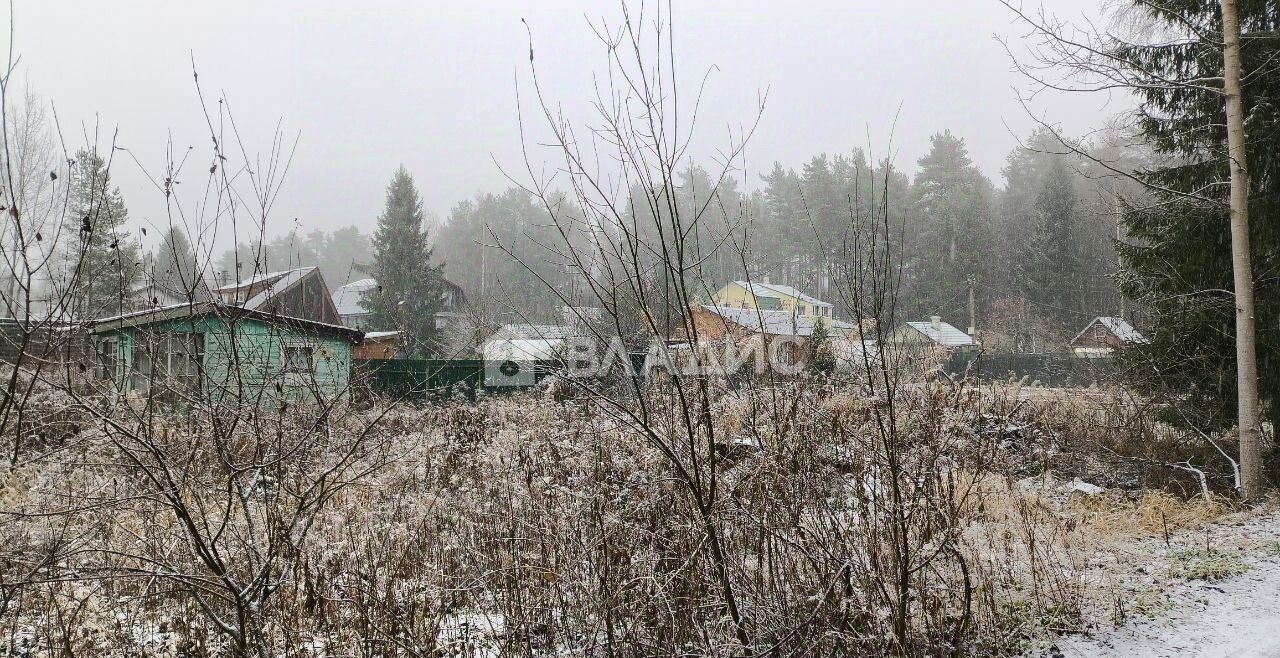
x=771, y=297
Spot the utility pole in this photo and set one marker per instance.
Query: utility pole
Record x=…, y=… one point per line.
x=973, y=309
x=1251, y=482
x=1119, y=208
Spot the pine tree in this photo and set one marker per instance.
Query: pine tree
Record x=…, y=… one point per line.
x=103, y=262
x=1054, y=259
x=409, y=291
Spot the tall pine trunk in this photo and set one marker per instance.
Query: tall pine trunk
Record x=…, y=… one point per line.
x=1252, y=484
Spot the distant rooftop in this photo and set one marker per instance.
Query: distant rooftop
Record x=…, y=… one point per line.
x=350, y=298
x=1119, y=327
x=943, y=334
x=777, y=290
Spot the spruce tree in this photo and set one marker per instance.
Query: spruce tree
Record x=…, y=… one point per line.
x=102, y=261
x=950, y=236
x=1054, y=261
x=821, y=358
x=1178, y=260
x=409, y=290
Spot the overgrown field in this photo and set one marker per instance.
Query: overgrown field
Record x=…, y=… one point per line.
x=804, y=520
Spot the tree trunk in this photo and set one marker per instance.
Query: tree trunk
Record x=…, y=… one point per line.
x=1252, y=484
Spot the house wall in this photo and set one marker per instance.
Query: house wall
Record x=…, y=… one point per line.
x=736, y=296
x=246, y=358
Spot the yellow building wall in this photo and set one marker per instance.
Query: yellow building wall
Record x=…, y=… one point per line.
x=736, y=296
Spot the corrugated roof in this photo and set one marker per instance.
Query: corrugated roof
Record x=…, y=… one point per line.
x=523, y=349
x=774, y=323
x=777, y=290
x=180, y=311
x=944, y=335
x=273, y=282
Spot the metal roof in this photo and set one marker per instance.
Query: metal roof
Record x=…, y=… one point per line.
x=944, y=334
x=774, y=323
x=539, y=331
x=776, y=290
x=180, y=311
x=274, y=283
x=523, y=349
x=1119, y=327
x=349, y=299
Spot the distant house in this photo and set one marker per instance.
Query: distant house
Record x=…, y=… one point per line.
x=770, y=297
x=933, y=335
x=1103, y=336
x=297, y=293
x=219, y=352
x=349, y=302
x=716, y=321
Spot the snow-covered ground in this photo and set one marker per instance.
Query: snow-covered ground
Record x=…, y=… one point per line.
x=1237, y=617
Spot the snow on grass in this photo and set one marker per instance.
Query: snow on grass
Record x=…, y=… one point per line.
x=1216, y=601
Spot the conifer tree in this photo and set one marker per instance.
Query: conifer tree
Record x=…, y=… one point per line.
x=409, y=290
x=1054, y=261
x=951, y=240
x=175, y=268
x=821, y=358
x=103, y=262
x=1178, y=258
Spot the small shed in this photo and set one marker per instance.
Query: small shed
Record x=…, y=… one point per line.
x=379, y=345
x=1103, y=336
x=220, y=352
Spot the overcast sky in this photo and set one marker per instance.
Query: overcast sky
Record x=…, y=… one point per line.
x=369, y=86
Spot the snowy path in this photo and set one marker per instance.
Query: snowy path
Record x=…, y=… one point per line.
x=1235, y=618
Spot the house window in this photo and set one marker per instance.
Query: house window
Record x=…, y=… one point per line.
x=107, y=359
x=174, y=359
x=180, y=359
x=299, y=359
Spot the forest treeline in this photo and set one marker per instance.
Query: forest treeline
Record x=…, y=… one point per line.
x=1038, y=248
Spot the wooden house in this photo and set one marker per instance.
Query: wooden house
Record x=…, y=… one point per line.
x=298, y=293
x=1103, y=336
x=220, y=352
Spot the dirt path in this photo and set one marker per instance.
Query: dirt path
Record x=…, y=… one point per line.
x=1234, y=618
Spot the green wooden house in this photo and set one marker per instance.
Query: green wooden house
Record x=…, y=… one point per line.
x=220, y=352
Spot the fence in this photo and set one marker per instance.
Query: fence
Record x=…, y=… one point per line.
x=417, y=379
x=1051, y=369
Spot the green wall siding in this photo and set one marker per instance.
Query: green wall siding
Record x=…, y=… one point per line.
x=245, y=358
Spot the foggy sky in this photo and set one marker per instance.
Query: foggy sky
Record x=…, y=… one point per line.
x=432, y=85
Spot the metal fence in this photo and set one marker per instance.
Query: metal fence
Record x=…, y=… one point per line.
x=1049, y=369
